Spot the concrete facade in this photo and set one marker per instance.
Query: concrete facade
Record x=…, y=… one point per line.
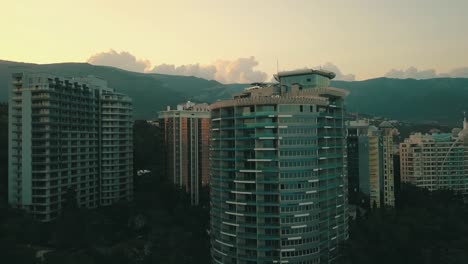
x=436, y=161
x=57, y=143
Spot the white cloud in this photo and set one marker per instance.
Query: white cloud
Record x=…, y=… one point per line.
x=411, y=72
x=339, y=75
x=123, y=60
x=414, y=73
x=240, y=70
x=459, y=72
x=202, y=71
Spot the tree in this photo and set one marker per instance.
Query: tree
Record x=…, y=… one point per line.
x=425, y=227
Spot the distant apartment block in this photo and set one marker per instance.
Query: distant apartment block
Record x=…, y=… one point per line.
x=68, y=134
x=186, y=134
x=370, y=163
x=436, y=161
x=278, y=179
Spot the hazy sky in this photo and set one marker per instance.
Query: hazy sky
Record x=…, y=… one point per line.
x=366, y=38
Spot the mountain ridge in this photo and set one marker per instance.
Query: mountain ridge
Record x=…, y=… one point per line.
x=439, y=99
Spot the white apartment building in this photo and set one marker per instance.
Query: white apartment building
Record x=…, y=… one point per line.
x=67, y=134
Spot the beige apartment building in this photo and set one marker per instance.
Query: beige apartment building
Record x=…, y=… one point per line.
x=370, y=162
x=436, y=161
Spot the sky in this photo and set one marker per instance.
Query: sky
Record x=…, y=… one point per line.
x=243, y=40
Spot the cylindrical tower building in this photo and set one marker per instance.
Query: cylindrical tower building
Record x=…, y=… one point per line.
x=278, y=176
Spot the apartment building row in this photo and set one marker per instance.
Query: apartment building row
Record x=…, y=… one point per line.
x=436, y=161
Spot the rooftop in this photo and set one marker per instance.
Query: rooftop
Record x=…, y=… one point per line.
x=330, y=75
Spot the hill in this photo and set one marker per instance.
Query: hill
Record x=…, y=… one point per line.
x=442, y=100
x=150, y=92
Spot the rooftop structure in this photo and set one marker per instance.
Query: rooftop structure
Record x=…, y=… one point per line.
x=305, y=72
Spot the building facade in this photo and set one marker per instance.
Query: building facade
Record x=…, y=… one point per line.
x=436, y=161
x=370, y=163
x=117, y=147
x=186, y=134
x=278, y=172
x=358, y=155
x=59, y=142
x=388, y=132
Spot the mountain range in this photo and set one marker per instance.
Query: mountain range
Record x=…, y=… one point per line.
x=432, y=100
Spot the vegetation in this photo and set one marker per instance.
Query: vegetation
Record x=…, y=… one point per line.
x=155, y=228
x=440, y=99
x=148, y=144
x=150, y=92
x=425, y=227
x=158, y=226
x=405, y=130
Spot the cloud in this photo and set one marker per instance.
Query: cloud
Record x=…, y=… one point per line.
x=411, y=72
x=202, y=71
x=459, y=72
x=414, y=73
x=339, y=75
x=240, y=70
x=123, y=60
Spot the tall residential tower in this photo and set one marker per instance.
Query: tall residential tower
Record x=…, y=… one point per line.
x=370, y=163
x=278, y=180
x=186, y=133
x=67, y=135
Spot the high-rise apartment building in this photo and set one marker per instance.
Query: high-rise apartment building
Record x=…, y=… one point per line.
x=358, y=170
x=436, y=161
x=68, y=135
x=370, y=163
x=116, y=180
x=387, y=133
x=278, y=179
x=186, y=134
x=3, y=153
